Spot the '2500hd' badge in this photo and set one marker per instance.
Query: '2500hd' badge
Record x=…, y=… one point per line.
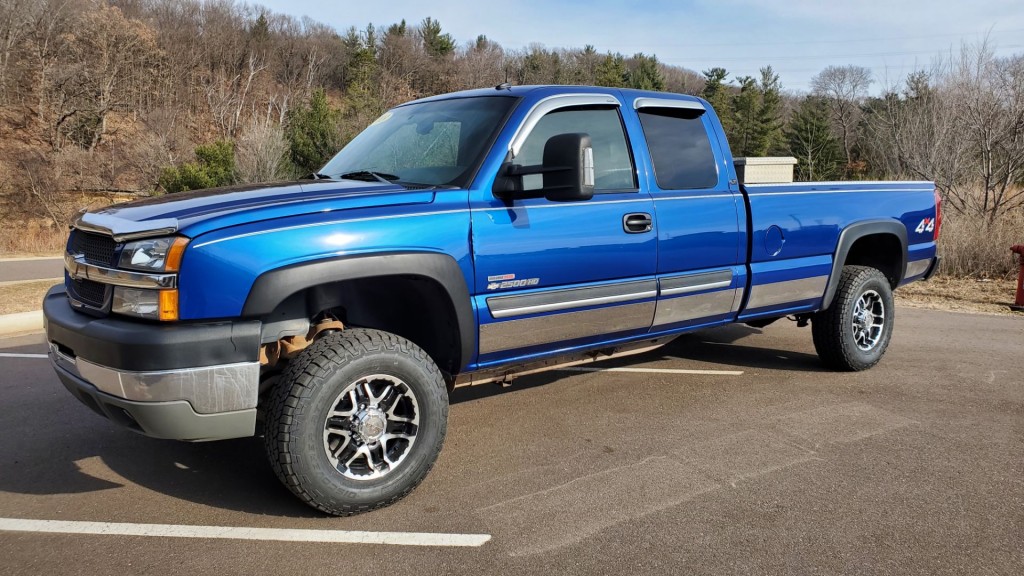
x=509, y=281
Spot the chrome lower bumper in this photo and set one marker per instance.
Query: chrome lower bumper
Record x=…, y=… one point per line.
x=209, y=389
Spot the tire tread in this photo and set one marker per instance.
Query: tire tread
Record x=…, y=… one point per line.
x=827, y=325
x=302, y=375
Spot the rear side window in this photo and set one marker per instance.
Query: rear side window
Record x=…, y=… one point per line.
x=680, y=148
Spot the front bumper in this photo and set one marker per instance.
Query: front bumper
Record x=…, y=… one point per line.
x=180, y=381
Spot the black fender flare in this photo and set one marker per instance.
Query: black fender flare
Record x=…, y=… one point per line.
x=855, y=232
x=275, y=286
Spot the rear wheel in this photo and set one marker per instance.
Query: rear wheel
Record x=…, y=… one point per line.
x=356, y=421
x=854, y=332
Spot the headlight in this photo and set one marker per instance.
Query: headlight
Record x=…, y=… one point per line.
x=145, y=303
x=154, y=255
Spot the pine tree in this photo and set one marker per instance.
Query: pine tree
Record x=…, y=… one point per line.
x=716, y=92
x=645, y=73
x=436, y=43
x=214, y=166
x=362, y=100
x=768, y=137
x=611, y=71
x=714, y=83
x=744, y=107
x=810, y=139
x=397, y=30
x=314, y=133
x=588, y=62
x=259, y=33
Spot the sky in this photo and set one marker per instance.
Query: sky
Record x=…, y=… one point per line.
x=798, y=38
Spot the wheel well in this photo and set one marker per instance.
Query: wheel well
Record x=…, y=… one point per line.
x=881, y=251
x=414, y=307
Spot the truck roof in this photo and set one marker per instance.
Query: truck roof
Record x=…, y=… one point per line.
x=551, y=89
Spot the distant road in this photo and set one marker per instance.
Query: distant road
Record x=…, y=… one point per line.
x=21, y=270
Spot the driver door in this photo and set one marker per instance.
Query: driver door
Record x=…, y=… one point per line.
x=568, y=274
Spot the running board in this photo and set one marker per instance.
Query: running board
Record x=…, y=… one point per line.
x=505, y=374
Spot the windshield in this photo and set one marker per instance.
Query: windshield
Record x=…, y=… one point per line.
x=437, y=143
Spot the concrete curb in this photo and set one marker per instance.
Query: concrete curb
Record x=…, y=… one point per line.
x=55, y=280
x=21, y=323
x=26, y=258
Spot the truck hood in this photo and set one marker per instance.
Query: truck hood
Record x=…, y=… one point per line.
x=203, y=210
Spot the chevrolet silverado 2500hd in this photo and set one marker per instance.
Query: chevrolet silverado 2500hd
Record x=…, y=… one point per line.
x=460, y=239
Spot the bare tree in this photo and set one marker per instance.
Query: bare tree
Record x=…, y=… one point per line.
x=260, y=152
x=913, y=131
x=16, y=19
x=39, y=193
x=681, y=80
x=988, y=95
x=481, y=63
x=844, y=88
x=113, y=58
x=46, y=43
x=399, y=59
x=961, y=125
x=235, y=54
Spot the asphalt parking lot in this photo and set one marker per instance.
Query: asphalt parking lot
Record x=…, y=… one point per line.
x=913, y=467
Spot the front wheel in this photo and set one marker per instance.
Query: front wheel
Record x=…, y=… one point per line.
x=854, y=332
x=356, y=421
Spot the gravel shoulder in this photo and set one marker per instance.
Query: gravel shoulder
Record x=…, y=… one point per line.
x=986, y=296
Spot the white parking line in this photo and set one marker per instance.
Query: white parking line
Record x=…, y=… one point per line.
x=243, y=533
x=12, y=355
x=654, y=371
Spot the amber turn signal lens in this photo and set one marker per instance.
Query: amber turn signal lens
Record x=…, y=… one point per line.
x=172, y=263
x=168, y=305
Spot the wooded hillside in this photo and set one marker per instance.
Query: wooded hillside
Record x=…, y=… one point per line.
x=128, y=97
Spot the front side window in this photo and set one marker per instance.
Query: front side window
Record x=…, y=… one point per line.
x=613, y=166
x=438, y=143
x=680, y=148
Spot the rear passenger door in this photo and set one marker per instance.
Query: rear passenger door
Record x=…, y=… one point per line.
x=571, y=273
x=700, y=213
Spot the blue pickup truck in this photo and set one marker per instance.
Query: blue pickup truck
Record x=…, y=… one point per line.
x=460, y=239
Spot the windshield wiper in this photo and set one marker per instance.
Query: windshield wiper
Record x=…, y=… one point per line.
x=316, y=176
x=369, y=176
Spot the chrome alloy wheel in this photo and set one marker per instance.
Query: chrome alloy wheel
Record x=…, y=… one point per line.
x=371, y=427
x=868, y=320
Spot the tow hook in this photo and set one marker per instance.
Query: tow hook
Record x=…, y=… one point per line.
x=1018, y=303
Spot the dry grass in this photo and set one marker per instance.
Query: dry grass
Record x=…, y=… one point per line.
x=973, y=247
x=31, y=238
x=23, y=297
x=961, y=294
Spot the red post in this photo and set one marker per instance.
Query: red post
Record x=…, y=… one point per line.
x=1018, y=304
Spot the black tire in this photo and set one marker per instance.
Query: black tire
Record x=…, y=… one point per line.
x=843, y=336
x=303, y=410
